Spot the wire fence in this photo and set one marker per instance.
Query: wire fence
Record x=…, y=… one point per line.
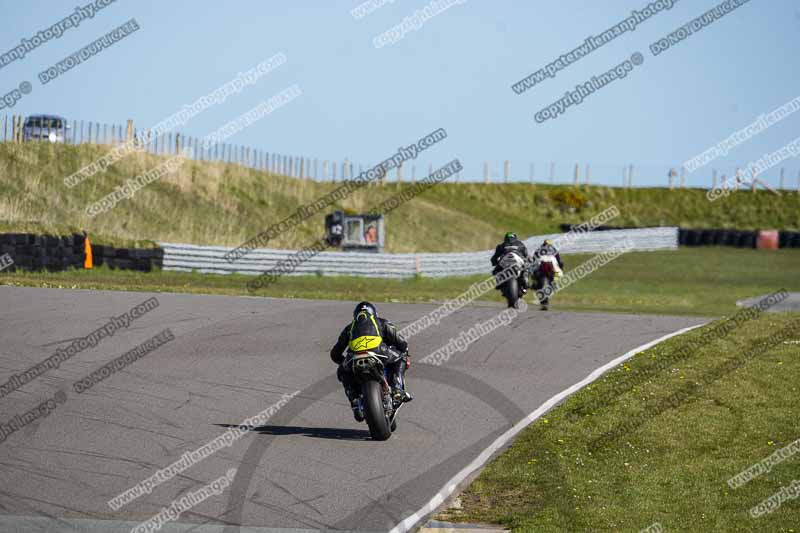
x=17, y=128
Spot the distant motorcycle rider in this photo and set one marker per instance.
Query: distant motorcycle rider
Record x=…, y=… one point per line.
x=368, y=331
x=511, y=244
x=545, y=272
x=547, y=248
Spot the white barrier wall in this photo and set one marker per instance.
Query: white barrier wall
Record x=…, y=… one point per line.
x=209, y=259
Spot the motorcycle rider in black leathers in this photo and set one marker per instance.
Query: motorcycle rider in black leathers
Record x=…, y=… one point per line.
x=367, y=331
x=511, y=244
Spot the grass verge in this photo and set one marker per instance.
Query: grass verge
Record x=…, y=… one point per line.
x=689, y=281
x=678, y=432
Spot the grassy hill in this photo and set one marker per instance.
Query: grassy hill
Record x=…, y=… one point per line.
x=225, y=204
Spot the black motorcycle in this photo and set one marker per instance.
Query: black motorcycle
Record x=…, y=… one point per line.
x=510, y=266
x=375, y=401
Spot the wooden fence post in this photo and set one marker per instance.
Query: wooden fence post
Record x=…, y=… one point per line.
x=506, y=170
x=129, y=132
x=486, y=174
x=400, y=173
x=533, y=169
x=576, y=180
x=783, y=177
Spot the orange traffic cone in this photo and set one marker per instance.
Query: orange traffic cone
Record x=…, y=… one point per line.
x=87, y=247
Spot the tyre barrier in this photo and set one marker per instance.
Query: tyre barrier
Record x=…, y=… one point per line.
x=141, y=259
x=33, y=252
x=717, y=237
x=52, y=253
x=738, y=238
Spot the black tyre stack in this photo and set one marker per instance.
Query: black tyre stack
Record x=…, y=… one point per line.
x=141, y=259
x=789, y=239
x=31, y=252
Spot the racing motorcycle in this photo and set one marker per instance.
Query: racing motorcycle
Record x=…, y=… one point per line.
x=376, y=402
x=546, y=271
x=511, y=267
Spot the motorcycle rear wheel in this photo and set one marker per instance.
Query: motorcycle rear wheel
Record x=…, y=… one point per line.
x=511, y=292
x=373, y=410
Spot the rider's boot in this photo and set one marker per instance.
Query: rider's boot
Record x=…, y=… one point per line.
x=399, y=393
x=401, y=396
x=355, y=405
x=358, y=411
x=523, y=286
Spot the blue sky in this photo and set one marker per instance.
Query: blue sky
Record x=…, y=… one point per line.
x=455, y=72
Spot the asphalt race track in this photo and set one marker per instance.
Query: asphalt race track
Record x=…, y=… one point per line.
x=311, y=466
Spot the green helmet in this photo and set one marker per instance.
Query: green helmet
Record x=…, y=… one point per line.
x=510, y=236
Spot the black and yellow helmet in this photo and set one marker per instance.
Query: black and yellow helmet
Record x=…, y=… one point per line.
x=365, y=306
